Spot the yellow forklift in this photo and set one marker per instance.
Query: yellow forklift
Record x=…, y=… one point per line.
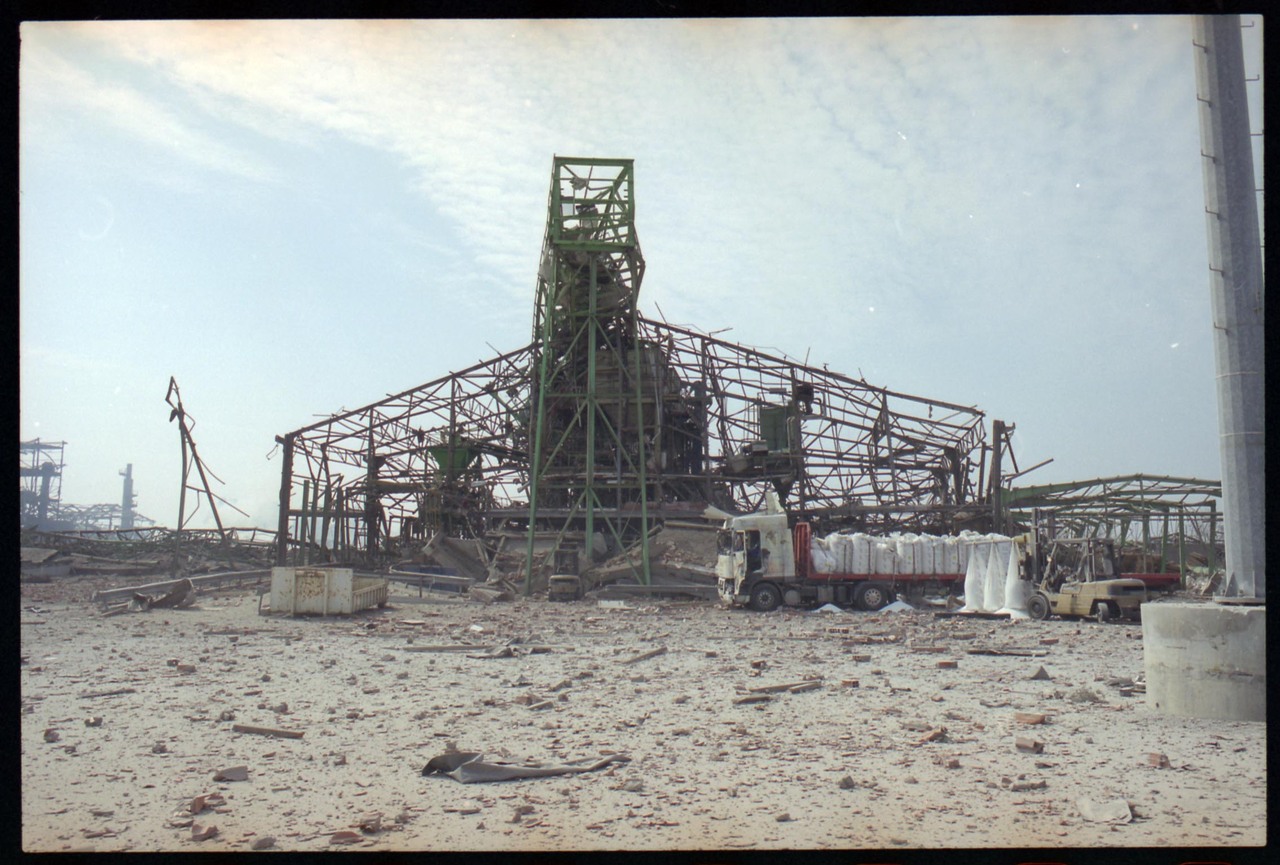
x=1080, y=578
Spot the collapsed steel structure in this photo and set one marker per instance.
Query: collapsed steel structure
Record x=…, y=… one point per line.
x=609, y=423
x=40, y=467
x=1159, y=514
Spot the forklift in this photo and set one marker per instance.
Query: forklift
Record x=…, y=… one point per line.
x=1080, y=578
x=565, y=584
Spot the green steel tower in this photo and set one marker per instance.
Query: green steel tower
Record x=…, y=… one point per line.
x=587, y=467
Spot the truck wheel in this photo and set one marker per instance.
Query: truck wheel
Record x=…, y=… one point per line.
x=872, y=596
x=1038, y=606
x=1104, y=612
x=765, y=597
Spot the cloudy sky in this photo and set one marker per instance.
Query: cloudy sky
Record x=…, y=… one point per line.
x=293, y=218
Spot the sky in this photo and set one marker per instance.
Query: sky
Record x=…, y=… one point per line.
x=296, y=218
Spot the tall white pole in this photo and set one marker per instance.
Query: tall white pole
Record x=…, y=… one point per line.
x=1236, y=289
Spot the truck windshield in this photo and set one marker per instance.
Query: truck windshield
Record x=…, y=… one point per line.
x=724, y=543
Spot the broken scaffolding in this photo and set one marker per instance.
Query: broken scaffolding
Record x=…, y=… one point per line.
x=609, y=423
x=1166, y=518
x=40, y=466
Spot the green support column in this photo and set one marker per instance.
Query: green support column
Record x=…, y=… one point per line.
x=593, y=405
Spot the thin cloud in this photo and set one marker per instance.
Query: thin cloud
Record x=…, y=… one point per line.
x=50, y=82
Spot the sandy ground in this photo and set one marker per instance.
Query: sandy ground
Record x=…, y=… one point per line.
x=836, y=766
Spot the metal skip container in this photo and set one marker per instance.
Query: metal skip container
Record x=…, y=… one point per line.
x=324, y=591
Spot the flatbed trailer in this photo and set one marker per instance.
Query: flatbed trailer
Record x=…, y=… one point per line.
x=763, y=564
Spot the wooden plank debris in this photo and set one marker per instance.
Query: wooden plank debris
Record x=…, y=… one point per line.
x=870, y=639
x=644, y=656
x=267, y=731
x=786, y=686
x=811, y=685
x=92, y=694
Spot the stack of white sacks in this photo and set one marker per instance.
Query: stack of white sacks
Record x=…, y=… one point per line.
x=990, y=569
x=991, y=581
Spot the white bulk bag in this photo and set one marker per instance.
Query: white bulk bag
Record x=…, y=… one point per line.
x=860, y=546
x=906, y=549
x=974, y=577
x=1015, y=590
x=883, y=558
x=993, y=584
x=949, y=556
x=927, y=554
x=823, y=563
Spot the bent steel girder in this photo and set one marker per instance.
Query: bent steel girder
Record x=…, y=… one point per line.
x=883, y=457
x=1122, y=506
x=860, y=448
x=375, y=464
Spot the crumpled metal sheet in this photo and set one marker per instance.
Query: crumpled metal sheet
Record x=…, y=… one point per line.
x=470, y=767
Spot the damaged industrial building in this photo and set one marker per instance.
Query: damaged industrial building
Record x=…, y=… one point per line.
x=609, y=424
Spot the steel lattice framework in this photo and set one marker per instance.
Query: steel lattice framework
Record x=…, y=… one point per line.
x=1124, y=507
x=608, y=422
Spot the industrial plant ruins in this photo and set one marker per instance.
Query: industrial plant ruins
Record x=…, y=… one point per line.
x=609, y=424
x=625, y=453
x=609, y=440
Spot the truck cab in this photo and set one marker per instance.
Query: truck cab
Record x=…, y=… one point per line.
x=755, y=557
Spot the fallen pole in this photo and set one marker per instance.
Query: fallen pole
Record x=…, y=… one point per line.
x=203, y=581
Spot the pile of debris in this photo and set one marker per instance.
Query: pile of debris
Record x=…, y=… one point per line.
x=680, y=553
x=172, y=595
x=682, y=557
x=143, y=551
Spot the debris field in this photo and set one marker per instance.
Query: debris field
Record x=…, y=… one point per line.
x=447, y=724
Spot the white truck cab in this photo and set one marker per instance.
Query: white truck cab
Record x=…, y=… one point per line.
x=755, y=556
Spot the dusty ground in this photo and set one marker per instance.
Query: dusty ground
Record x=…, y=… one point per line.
x=837, y=766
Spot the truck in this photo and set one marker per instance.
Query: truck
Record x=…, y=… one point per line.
x=763, y=563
